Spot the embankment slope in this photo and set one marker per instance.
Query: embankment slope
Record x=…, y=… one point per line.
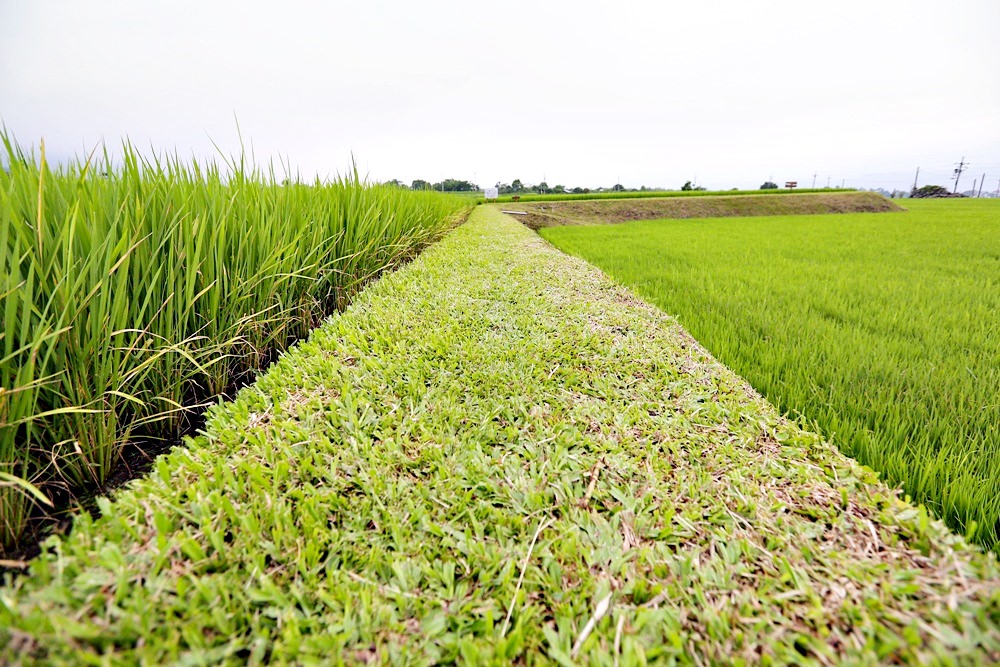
x=605, y=211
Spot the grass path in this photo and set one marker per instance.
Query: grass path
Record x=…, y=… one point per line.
x=497, y=454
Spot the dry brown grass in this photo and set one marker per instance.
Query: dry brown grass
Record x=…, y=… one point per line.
x=605, y=211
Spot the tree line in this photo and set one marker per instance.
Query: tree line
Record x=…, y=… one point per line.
x=517, y=186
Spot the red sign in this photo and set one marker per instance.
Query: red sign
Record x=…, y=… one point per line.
x=791, y=184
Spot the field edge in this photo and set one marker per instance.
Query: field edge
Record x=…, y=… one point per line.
x=496, y=403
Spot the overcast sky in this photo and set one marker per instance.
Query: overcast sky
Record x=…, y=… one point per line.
x=725, y=92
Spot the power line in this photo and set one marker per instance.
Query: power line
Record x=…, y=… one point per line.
x=958, y=172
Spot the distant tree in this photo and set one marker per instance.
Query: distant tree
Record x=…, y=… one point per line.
x=687, y=187
x=516, y=185
x=579, y=191
x=618, y=187
x=454, y=185
x=559, y=189
x=543, y=188
x=396, y=182
x=420, y=185
x=769, y=185
x=930, y=191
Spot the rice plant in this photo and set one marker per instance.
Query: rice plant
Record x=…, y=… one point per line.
x=881, y=328
x=135, y=288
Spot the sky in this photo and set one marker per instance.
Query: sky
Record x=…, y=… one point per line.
x=725, y=93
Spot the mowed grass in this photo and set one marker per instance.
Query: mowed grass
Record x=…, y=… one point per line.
x=498, y=456
x=881, y=328
x=133, y=291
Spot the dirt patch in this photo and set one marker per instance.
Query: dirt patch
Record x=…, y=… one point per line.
x=610, y=211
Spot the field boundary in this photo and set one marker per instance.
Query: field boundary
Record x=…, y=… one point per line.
x=497, y=454
x=539, y=215
x=656, y=194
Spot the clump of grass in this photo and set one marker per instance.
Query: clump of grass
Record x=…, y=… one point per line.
x=880, y=329
x=497, y=456
x=133, y=290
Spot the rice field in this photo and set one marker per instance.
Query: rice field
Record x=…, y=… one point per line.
x=880, y=329
x=134, y=289
x=496, y=456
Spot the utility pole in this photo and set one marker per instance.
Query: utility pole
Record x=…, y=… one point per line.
x=915, y=181
x=814, y=180
x=973, y=187
x=981, y=181
x=828, y=182
x=842, y=181
x=958, y=173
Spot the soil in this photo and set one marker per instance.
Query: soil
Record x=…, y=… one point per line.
x=611, y=211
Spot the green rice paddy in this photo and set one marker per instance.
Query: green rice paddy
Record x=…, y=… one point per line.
x=883, y=329
x=133, y=291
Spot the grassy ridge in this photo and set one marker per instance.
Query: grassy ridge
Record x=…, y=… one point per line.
x=130, y=292
x=496, y=455
x=882, y=329
x=649, y=194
